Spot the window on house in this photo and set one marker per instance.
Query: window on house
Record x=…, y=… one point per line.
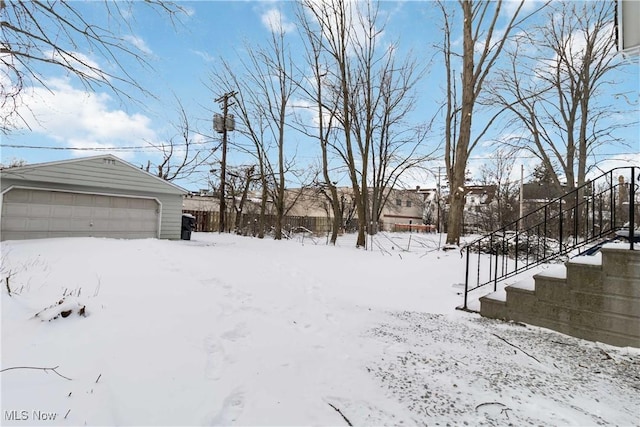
x=408, y=203
x=398, y=202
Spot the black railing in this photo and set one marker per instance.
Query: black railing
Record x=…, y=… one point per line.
x=602, y=208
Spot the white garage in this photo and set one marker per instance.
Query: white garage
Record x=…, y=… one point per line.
x=95, y=197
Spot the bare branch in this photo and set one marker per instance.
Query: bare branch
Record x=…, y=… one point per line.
x=515, y=346
x=341, y=414
x=39, y=36
x=54, y=370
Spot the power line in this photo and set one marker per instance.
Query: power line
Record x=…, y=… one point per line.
x=140, y=148
x=144, y=148
x=36, y=147
x=531, y=156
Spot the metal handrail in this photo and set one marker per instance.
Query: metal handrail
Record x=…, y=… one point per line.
x=586, y=214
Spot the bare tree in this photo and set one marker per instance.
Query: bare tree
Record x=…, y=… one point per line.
x=38, y=36
x=14, y=163
x=397, y=145
x=318, y=90
x=272, y=76
x=184, y=152
x=252, y=123
x=241, y=180
x=265, y=87
x=555, y=90
x=498, y=172
x=333, y=19
x=367, y=91
x=482, y=46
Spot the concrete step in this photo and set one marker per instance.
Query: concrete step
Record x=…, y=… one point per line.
x=584, y=273
x=619, y=261
x=607, y=303
x=554, y=272
x=591, y=297
x=522, y=302
x=494, y=305
x=601, y=324
x=623, y=286
x=551, y=285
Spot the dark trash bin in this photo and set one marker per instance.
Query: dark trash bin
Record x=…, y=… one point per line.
x=188, y=224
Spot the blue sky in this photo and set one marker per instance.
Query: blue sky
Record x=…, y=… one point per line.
x=181, y=56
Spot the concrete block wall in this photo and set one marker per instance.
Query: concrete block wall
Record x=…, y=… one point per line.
x=594, y=301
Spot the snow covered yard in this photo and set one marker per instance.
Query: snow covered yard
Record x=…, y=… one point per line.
x=228, y=330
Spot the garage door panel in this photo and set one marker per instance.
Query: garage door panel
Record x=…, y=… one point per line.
x=31, y=214
x=15, y=210
x=87, y=200
x=140, y=225
x=119, y=214
x=80, y=212
x=147, y=216
x=81, y=225
x=40, y=197
x=143, y=204
x=59, y=224
x=61, y=211
x=102, y=202
x=39, y=211
x=59, y=198
x=14, y=223
x=37, y=224
x=16, y=196
x=101, y=213
x=101, y=225
x=120, y=203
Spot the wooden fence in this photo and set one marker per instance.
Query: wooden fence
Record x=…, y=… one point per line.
x=208, y=221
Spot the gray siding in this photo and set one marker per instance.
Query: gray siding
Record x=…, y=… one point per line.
x=171, y=223
x=98, y=172
x=102, y=175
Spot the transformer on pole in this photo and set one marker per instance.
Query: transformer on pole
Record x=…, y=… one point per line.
x=222, y=123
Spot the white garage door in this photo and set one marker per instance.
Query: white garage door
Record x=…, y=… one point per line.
x=35, y=214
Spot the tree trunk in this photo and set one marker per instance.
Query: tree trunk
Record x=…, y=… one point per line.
x=263, y=203
x=457, y=176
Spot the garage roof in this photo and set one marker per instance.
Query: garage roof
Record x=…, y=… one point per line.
x=104, y=171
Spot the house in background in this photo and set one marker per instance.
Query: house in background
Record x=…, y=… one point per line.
x=536, y=194
x=478, y=200
x=419, y=209
x=310, y=208
x=101, y=196
x=410, y=210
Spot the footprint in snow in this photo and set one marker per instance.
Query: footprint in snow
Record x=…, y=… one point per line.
x=236, y=333
x=215, y=357
x=232, y=408
x=210, y=282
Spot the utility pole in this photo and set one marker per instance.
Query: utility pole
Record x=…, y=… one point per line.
x=223, y=124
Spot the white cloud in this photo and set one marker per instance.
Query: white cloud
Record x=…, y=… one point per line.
x=613, y=161
x=204, y=55
x=139, y=43
x=510, y=7
x=275, y=21
x=79, y=119
x=187, y=10
x=79, y=62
